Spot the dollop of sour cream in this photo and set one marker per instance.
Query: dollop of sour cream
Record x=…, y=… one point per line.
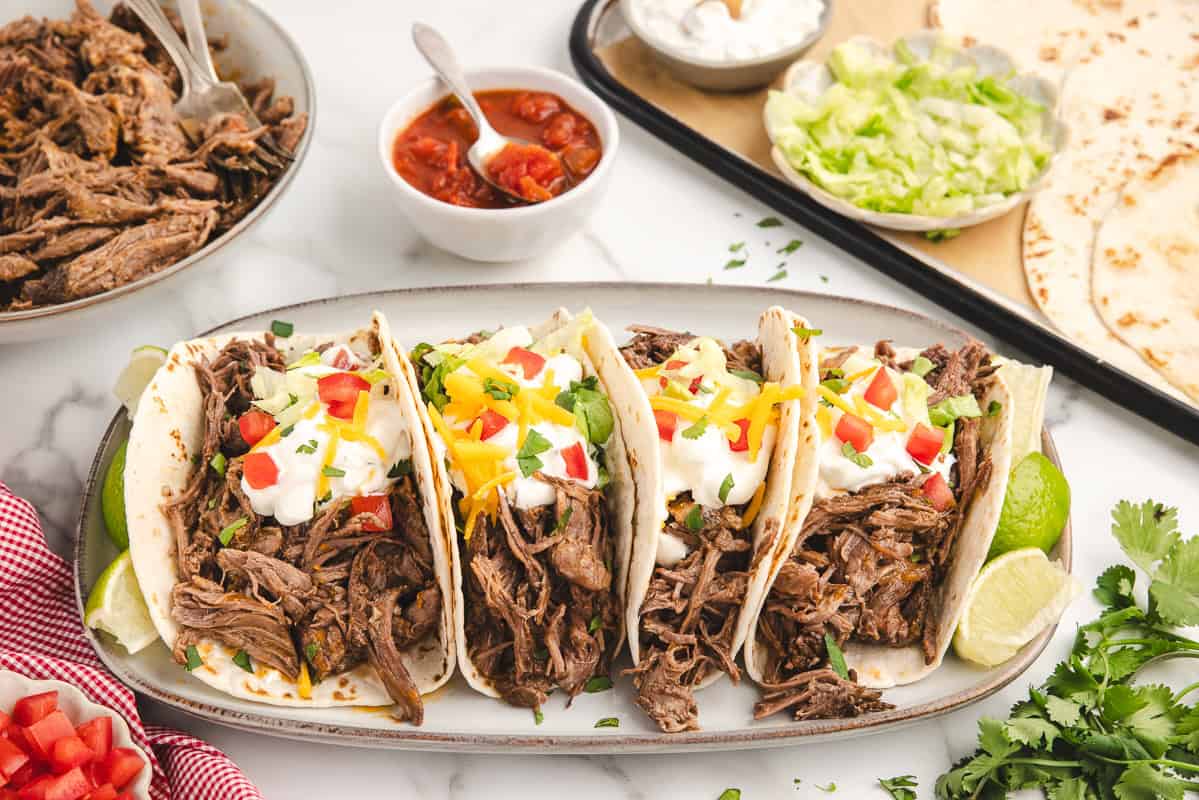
x=301, y=456
x=887, y=453
x=706, y=30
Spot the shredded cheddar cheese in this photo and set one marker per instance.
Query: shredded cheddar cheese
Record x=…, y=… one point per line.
x=755, y=505
x=304, y=684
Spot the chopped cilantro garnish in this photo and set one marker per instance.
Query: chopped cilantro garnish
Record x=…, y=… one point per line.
x=747, y=374
x=597, y=684
x=736, y=247
x=993, y=408
x=595, y=624
x=310, y=650
x=770, y=222
x=308, y=448
x=400, y=468
x=697, y=430
x=922, y=366
x=333, y=472
x=193, y=658
x=695, y=518
x=282, y=329
x=500, y=390
x=824, y=279
x=242, y=659
x=726, y=486
x=836, y=659
x=226, y=534
x=218, y=463
x=563, y=519
x=900, y=788
x=778, y=276
x=538, y=717
x=608, y=722
x=943, y=235
x=836, y=385
x=806, y=333
x=829, y=789
x=730, y=794
x=734, y=263
x=283, y=434
x=593, y=414
x=790, y=247
x=526, y=457
x=861, y=459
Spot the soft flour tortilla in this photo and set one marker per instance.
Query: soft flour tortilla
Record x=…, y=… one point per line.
x=881, y=667
x=621, y=497
x=787, y=360
x=167, y=432
x=1146, y=269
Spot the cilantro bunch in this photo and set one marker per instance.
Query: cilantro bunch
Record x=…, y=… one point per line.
x=1090, y=732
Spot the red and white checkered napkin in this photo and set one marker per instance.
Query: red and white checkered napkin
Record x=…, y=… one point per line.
x=41, y=636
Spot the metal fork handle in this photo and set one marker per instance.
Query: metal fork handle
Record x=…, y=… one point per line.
x=192, y=73
x=197, y=39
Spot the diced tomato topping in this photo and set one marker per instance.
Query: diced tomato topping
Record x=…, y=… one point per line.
x=97, y=735
x=26, y=774
x=260, y=470
x=925, y=443
x=881, y=393
x=103, y=792
x=377, y=504
x=576, y=462
x=253, y=425
x=493, y=423
x=530, y=362
x=71, y=785
x=667, y=422
x=45, y=732
x=675, y=364
x=124, y=796
x=36, y=789
x=742, y=443
x=4, y=720
x=938, y=492
x=12, y=758
x=122, y=766
x=340, y=391
x=33, y=708
x=856, y=431
x=69, y=752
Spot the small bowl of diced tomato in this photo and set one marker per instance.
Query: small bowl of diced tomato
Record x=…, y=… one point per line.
x=423, y=141
x=55, y=744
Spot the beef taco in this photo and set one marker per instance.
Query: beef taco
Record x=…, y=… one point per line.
x=717, y=504
x=533, y=466
x=912, y=465
x=284, y=524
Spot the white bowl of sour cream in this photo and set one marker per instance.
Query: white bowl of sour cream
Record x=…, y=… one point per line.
x=701, y=43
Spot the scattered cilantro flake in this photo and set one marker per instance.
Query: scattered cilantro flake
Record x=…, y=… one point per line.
x=697, y=430
x=790, y=247
x=538, y=717
x=836, y=385
x=283, y=434
x=500, y=390
x=310, y=650
x=861, y=459
x=747, y=374
x=730, y=794
x=736, y=247
x=943, y=235
x=695, y=518
x=218, y=463
x=526, y=457
x=836, y=659
x=595, y=624
x=829, y=789
x=242, y=659
x=400, y=468
x=333, y=472
x=770, y=222
x=734, y=263
x=806, y=333
x=193, y=658
x=282, y=329
x=726, y=486
x=563, y=519
x=308, y=448
x=778, y=276
x=993, y=408
x=902, y=787
x=608, y=722
x=921, y=366
x=597, y=684
x=226, y=534
x=824, y=279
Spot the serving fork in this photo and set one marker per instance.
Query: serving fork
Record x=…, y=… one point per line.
x=204, y=94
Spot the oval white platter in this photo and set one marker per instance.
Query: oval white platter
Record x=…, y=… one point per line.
x=457, y=718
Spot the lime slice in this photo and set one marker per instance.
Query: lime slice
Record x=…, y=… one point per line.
x=144, y=361
x=115, y=606
x=1035, y=507
x=1028, y=386
x=112, y=499
x=1012, y=600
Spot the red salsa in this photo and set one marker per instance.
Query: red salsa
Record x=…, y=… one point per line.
x=431, y=152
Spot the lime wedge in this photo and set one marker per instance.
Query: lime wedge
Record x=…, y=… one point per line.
x=115, y=606
x=1012, y=600
x=1035, y=507
x=144, y=361
x=112, y=499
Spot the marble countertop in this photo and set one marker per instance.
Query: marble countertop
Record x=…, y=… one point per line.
x=664, y=219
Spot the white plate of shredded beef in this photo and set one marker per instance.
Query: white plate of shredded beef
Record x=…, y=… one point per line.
x=458, y=718
x=101, y=192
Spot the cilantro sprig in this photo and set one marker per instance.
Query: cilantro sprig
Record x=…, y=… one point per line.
x=1090, y=731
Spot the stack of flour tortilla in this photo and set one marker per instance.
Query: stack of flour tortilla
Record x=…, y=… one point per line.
x=1111, y=244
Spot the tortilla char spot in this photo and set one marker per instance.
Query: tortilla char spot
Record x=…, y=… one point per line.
x=252, y=689
x=339, y=696
x=1134, y=23
x=1154, y=359
x=1127, y=320
x=1110, y=114
x=969, y=41
x=1043, y=293
x=161, y=405
x=1127, y=258
x=1049, y=53
x=287, y=695
x=343, y=681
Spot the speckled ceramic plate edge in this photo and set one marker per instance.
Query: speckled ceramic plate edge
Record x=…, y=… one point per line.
x=401, y=738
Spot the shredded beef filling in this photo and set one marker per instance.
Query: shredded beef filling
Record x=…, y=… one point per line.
x=99, y=185
x=867, y=564
x=689, y=614
x=327, y=592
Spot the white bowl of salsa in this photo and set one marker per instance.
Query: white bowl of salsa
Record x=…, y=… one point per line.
x=422, y=144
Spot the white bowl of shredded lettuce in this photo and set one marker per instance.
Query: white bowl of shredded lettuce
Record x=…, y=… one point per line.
x=926, y=135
